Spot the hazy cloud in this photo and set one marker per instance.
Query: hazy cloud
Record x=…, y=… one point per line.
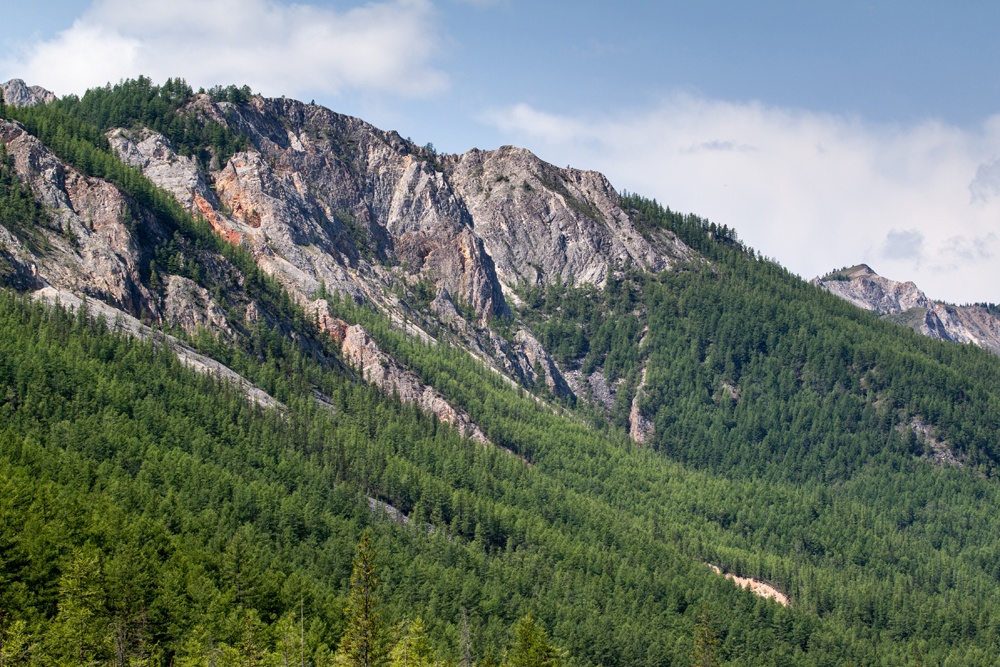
x=814, y=190
x=903, y=244
x=294, y=49
x=716, y=145
x=986, y=184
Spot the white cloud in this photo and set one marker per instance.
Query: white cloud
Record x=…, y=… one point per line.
x=294, y=49
x=815, y=191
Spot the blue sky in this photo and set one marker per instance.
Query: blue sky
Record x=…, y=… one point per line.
x=826, y=133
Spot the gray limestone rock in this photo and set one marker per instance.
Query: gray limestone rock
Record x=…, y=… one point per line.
x=18, y=94
x=903, y=303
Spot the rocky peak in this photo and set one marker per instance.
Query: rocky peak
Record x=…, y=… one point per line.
x=866, y=289
x=329, y=203
x=18, y=94
x=904, y=303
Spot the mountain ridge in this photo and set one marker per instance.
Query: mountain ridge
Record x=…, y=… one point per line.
x=904, y=303
x=785, y=435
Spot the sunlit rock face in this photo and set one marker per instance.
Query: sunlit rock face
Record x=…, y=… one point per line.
x=904, y=303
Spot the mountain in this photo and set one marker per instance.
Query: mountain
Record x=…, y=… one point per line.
x=239, y=333
x=905, y=304
x=18, y=94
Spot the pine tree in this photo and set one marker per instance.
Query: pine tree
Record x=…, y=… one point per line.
x=362, y=644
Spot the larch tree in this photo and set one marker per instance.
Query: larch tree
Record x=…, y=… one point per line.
x=362, y=644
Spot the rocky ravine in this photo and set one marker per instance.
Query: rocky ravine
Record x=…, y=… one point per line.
x=904, y=303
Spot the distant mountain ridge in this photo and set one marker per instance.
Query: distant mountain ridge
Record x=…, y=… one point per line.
x=18, y=94
x=905, y=303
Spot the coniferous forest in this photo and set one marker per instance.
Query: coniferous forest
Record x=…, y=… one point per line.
x=150, y=515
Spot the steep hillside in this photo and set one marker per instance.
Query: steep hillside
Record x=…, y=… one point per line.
x=904, y=304
x=475, y=344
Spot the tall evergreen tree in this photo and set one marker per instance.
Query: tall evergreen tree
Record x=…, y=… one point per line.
x=531, y=647
x=412, y=649
x=706, y=642
x=362, y=644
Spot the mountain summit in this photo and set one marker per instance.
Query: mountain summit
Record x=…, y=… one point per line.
x=904, y=303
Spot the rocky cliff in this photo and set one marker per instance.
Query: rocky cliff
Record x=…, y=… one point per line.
x=18, y=94
x=904, y=303
x=328, y=204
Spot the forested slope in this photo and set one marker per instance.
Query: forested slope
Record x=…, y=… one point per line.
x=792, y=437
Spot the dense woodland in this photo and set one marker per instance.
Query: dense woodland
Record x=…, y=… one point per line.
x=149, y=515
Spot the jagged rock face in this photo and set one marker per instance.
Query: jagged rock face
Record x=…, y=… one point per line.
x=968, y=324
x=325, y=199
x=190, y=307
x=539, y=360
x=379, y=369
x=540, y=224
x=152, y=154
x=17, y=94
x=476, y=224
x=866, y=289
x=91, y=248
x=903, y=303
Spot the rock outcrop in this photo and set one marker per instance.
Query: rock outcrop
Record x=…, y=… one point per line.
x=904, y=303
x=328, y=202
x=18, y=94
x=90, y=246
x=866, y=289
x=120, y=321
x=363, y=354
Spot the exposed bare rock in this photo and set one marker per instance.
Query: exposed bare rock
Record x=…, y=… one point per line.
x=378, y=368
x=540, y=223
x=376, y=506
x=594, y=387
x=190, y=307
x=17, y=94
x=91, y=247
x=866, y=289
x=120, y=321
x=326, y=202
x=445, y=309
x=640, y=427
x=729, y=391
x=903, y=303
x=538, y=359
x=755, y=586
x=152, y=154
x=941, y=451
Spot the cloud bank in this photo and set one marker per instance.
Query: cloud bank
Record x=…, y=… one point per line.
x=277, y=49
x=815, y=191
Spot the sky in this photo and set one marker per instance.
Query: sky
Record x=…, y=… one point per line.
x=827, y=134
